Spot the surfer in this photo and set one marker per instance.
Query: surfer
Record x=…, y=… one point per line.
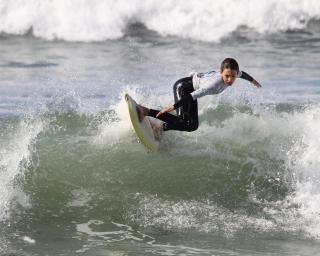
x=186, y=92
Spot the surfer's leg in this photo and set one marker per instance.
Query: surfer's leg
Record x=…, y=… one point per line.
x=173, y=122
x=192, y=120
x=188, y=121
x=166, y=117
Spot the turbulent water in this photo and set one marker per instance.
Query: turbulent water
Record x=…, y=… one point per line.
x=75, y=181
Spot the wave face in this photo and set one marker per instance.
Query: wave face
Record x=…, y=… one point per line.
x=94, y=20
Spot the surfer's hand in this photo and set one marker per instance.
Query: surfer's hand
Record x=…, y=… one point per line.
x=256, y=83
x=165, y=110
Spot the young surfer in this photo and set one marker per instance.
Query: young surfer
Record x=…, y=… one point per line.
x=186, y=92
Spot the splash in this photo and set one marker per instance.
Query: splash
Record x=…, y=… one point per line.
x=15, y=156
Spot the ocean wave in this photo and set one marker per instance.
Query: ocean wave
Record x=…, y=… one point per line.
x=102, y=20
x=256, y=164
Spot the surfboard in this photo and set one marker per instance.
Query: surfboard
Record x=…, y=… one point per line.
x=143, y=130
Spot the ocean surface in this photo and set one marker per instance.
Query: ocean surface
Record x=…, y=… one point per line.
x=75, y=181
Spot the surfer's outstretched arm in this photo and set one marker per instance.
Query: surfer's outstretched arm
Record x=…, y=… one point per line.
x=246, y=76
x=256, y=83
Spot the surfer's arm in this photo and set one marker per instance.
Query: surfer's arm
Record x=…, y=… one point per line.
x=246, y=76
x=189, y=98
x=181, y=102
x=165, y=110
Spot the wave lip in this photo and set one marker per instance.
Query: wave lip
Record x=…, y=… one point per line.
x=102, y=20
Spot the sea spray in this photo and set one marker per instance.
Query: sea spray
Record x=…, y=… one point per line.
x=15, y=156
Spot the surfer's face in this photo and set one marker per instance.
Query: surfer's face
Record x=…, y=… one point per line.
x=229, y=76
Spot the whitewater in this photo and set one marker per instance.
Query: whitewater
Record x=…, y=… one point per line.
x=89, y=21
x=75, y=181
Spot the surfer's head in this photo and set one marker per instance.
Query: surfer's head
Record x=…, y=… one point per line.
x=229, y=71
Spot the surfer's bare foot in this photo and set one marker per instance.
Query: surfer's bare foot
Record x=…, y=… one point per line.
x=142, y=112
x=157, y=130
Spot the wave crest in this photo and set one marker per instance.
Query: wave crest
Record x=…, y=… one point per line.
x=101, y=20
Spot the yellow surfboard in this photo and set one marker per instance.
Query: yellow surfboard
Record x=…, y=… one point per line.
x=143, y=129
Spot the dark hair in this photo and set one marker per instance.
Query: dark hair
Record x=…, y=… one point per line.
x=230, y=63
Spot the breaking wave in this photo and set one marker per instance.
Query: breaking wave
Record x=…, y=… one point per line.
x=101, y=20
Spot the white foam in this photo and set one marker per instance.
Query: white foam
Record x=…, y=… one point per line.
x=93, y=20
x=204, y=216
x=29, y=240
x=121, y=232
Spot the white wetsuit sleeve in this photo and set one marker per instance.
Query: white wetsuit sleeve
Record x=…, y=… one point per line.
x=200, y=93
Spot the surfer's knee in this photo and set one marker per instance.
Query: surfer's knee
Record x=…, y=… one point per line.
x=192, y=126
